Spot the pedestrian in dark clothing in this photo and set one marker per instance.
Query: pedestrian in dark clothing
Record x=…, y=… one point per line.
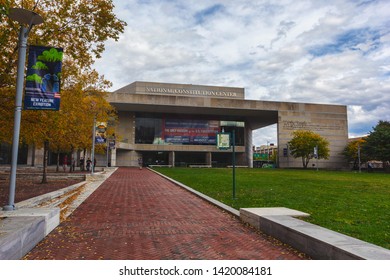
x=65, y=162
x=140, y=162
x=81, y=164
x=88, y=164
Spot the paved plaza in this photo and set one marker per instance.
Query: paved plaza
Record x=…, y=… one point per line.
x=137, y=214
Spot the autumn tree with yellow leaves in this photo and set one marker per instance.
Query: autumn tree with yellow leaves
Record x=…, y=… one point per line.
x=303, y=143
x=81, y=28
x=353, y=151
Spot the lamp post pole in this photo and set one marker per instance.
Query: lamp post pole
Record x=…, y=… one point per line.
x=23, y=34
x=267, y=153
x=31, y=18
x=234, y=162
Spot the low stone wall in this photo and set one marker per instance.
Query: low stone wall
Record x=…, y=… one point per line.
x=4, y=176
x=315, y=241
x=21, y=230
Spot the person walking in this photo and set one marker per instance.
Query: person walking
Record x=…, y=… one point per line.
x=73, y=166
x=89, y=161
x=140, y=162
x=65, y=162
x=81, y=164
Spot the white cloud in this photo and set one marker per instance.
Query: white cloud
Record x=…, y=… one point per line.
x=334, y=51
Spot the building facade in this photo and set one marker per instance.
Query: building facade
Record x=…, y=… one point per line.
x=177, y=125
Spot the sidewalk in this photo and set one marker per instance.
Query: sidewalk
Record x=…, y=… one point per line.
x=136, y=214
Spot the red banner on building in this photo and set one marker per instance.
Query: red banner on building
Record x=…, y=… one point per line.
x=180, y=131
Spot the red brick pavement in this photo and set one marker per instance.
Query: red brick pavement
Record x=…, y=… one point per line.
x=136, y=214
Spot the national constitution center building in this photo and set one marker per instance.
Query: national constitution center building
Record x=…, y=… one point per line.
x=177, y=125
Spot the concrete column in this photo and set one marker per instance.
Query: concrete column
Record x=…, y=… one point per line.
x=35, y=156
x=172, y=158
x=113, y=157
x=248, y=146
x=31, y=155
x=208, y=158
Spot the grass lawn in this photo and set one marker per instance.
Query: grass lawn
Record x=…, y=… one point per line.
x=356, y=204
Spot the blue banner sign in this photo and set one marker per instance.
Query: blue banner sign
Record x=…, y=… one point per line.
x=43, y=78
x=100, y=137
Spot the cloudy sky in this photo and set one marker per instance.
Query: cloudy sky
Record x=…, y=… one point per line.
x=315, y=51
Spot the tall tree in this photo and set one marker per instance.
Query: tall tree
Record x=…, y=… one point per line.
x=81, y=28
x=377, y=146
x=352, y=150
x=303, y=143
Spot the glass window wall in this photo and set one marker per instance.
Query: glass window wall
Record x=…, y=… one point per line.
x=182, y=130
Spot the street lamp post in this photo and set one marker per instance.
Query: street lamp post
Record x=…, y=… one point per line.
x=30, y=18
x=234, y=162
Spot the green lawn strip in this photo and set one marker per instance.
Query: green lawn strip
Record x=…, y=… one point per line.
x=356, y=204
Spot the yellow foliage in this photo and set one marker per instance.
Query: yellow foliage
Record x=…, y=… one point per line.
x=81, y=28
x=303, y=143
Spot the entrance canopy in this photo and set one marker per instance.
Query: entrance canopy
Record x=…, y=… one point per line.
x=169, y=98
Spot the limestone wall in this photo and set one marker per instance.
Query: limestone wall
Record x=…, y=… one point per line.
x=327, y=120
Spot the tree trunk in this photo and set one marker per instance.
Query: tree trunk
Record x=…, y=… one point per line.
x=58, y=161
x=84, y=156
x=33, y=155
x=71, y=160
x=45, y=152
x=303, y=162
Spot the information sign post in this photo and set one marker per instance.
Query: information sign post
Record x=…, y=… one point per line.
x=224, y=142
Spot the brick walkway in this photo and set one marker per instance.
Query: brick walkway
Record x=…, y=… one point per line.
x=136, y=214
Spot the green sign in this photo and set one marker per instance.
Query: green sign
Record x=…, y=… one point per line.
x=223, y=141
x=258, y=156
